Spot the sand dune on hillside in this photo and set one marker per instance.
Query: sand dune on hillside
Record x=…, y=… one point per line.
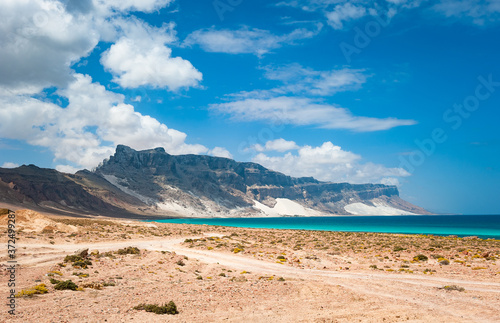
x=29, y=220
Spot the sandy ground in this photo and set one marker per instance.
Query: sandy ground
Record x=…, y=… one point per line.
x=216, y=274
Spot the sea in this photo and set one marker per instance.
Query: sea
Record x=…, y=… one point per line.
x=482, y=226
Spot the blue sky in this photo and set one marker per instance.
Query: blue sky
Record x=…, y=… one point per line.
x=395, y=92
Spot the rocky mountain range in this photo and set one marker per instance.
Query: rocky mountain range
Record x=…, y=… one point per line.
x=154, y=183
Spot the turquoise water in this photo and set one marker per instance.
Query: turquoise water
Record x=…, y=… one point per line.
x=483, y=226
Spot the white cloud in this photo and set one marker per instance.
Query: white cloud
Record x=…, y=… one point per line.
x=300, y=80
x=40, y=41
x=329, y=162
x=67, y=169
x=280, y=145
x=133, y=5
x=337, y=12
x=88, y=129
x=9, y=165
x=479, y=12
x=245, y=40
x=220, y=152
x=291, y=103
x=140, y=58
x=344, y=12
x=304, y=111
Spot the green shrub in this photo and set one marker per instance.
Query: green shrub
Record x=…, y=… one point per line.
x=82, y=263
x=38, y=289
x=169, y=308
x=420, y=258
x=68, y=284
x=443, y=261
x=128, y=251
x=453, y=287
x=72, y=258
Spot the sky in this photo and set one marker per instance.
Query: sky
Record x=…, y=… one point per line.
x=397, y=92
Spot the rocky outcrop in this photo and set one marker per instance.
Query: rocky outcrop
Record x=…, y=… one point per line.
x=153, y=182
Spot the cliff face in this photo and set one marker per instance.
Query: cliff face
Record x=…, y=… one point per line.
x=156, y=183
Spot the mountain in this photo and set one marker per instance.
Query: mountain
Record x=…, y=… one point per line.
x=155, y=183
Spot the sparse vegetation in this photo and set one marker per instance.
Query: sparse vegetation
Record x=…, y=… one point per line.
x=169, y=308
x=68, y=284
x=420, y=257
x=128, y=251
x=453, y=288
x=35, y=290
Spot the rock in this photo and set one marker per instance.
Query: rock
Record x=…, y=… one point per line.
x=82, y=252
x=485, y=254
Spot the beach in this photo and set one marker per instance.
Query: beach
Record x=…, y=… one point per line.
x=216, y=274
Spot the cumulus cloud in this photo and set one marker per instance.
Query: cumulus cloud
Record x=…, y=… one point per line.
x=280, y=145
x=9, y=165
x=88, y=129
x=220, y=152
x=40, y=41
x=304, y=111
x=245, y=40
x=329, y=162
x=141, y=58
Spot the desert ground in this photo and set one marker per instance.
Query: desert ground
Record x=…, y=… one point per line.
x=219, y=274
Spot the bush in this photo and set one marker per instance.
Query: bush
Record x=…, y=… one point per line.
x=82, y=263
x=68, y=284
x=443, y=261
x=92, y=285
x=169, y=308
x=128, y=251
x=72, y=258
x=453, y=287
x=398, y=248
x=420, y=258
x=180, y=262
x=38, y=289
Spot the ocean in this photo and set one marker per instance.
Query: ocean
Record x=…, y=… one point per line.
x=483, y=226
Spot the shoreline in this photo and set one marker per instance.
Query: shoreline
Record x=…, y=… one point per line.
x=301, y=223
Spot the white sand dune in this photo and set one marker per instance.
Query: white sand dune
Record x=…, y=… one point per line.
x=286, y=207
x=378, y=209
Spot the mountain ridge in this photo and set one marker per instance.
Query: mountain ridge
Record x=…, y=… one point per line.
x=154, y=183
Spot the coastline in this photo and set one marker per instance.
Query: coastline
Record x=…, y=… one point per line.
x=483, y=226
